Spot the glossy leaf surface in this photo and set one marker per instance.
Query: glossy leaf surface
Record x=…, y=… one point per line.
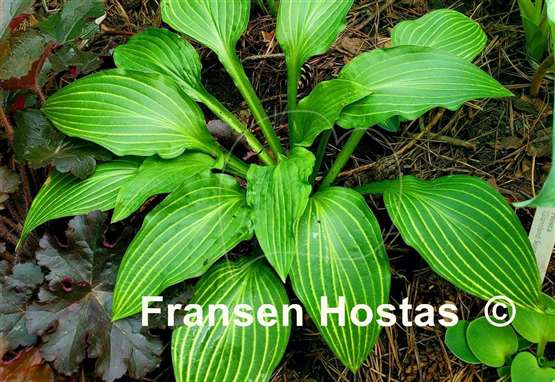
x=492, y=345
x=214, y=23
x=443, y=29
x=181, y=238
x=162, y=51
x=130, y=113
x=320, y=110
x=232, y=353
x=278, y=196
x=407, y=81
x=340, y=252
x=64, y=195
x=308, y=28
x=467, y=232
x=158, y=176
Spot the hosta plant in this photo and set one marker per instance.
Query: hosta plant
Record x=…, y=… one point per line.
x=508, y=348
x=536, y=28
x=322, y=238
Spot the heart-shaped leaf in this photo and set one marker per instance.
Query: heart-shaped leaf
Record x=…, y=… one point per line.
x=319, y=110
x=492, y=345
x=467, y=232
x=158, y=176
x=64, y=195
x=443, y=29
x=525, y=368
x=455, y=339
x=131, y=113
x=278, y=196
x=231, y=353
x=534, y=326
x=181, y=238
x=340, y=253
x=407, y=81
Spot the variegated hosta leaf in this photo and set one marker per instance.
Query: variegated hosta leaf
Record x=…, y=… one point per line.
x=278, y=196
x=181, y=238
x=65, y=195
x=340, y=252
x=467, y=233
x=407, y=81
x=232, y=353
x=321, y=108
x=162, y=51
x=444, y=29
x=214, y=23
x=158, y=176
x=130, y=113
x=308, y=28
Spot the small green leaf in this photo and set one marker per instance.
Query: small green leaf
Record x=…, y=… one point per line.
x=130, y=113
x=534, y=326
x=455, y=339
x=407, y=81
x=231, y=353
x=467, y=233
x=309, y=28
x=158, y=176
x=161, y=51
x=216, y=24
x=181, y=238
x=278, y=196
x=340, y=252
x=75, y=20
x=492, y=345
x=443, y=29
x=64, y=195
x=319, y=110
x=525, y=368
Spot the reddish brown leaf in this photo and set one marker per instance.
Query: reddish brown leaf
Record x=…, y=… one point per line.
x=27, y=366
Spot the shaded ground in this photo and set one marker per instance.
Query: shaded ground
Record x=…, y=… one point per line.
x=501, y=141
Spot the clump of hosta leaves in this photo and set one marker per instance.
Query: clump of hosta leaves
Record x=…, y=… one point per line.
x=323, y=239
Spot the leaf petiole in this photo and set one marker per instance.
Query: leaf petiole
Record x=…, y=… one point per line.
x=233, y=66
x=343, y=157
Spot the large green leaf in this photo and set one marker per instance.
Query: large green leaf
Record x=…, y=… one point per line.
x=407, y=81
x=467, y=232
x=491, y=345
x=214, y=23
x=308, y=28
x=278, y=196
x=340, y=252
x=444, y=29
x=181, y=238
x=158, y=176
x=162, y=51
x=321, y=108
x=231, y=353
x=130, y=113
x=64, y=195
